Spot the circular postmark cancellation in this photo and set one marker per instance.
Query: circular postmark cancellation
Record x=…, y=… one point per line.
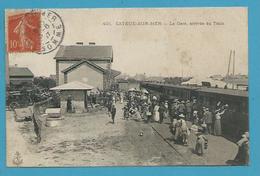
x=52, y=31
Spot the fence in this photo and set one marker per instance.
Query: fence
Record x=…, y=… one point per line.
x=37, y=118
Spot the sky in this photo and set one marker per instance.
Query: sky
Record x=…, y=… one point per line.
x=165, y=50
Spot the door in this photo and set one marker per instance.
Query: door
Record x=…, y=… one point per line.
x=85, y=99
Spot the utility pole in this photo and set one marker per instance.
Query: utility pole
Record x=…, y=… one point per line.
x=234, y=59
x=230, y=56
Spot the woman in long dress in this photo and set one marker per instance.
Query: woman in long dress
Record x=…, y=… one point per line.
x=156, y=116
x=217, y=124
x=137, y=114
x=201, y=144
x=242, y=156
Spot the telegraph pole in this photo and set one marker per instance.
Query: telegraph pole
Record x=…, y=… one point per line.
x=234, y=60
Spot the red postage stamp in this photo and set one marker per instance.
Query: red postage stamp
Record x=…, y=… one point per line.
x=24, y=32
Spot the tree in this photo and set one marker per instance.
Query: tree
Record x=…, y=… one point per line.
x=44, y=82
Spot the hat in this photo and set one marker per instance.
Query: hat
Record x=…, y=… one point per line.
x=182, y=101
x=246, y=134
x=194, y=128
x=181, y=115
x=195, y=112
x=187, y=101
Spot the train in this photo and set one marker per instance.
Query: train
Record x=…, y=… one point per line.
x=236, y=121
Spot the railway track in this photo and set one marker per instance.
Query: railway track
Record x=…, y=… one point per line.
x=171, y=145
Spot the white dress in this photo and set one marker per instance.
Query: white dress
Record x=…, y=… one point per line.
x=156, y=116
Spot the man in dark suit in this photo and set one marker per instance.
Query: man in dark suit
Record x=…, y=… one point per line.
x=113, y=112
x=208, y=119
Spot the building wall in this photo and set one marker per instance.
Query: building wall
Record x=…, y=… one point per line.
x=88, y=75
x=61, y=65
x=77, y=100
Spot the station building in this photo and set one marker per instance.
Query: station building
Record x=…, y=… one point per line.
x=90, y=64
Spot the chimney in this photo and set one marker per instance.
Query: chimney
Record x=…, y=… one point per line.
x=92, y=43
x=79, y=43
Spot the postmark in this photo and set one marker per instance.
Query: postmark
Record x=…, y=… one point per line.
x=52, y=31
x=24, y=32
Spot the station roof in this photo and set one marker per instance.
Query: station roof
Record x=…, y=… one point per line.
x=232, y=92
x=221, y=91
x=78, y=52
x=82, y=62
x=75, y=85
x=172, y=85
x=20, y=72
x=114, y=73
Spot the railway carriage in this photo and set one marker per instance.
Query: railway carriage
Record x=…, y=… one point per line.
x=234, y=123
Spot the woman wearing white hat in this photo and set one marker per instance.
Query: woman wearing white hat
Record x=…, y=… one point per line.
x=217, y=123
x=195, y=118
x=156, y=116
x=242, y=156
x=178, y=127
x=182, y=132
x=201, y=143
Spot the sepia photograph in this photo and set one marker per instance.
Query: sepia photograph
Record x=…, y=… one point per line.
x=127, y=87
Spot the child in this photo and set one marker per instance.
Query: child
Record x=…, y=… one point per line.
x=126, y=113
x=173, y=126
x=201, y=144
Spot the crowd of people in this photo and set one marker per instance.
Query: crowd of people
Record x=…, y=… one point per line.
x=152, y=108
x=185, y=116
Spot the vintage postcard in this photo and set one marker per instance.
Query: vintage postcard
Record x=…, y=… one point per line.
x=127, y=87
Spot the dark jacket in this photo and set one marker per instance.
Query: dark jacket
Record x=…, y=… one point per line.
x=188, y=107
x=113, y=110
x=208, y=117
x=181, y=108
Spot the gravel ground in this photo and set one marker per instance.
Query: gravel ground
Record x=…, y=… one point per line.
x=92, y=140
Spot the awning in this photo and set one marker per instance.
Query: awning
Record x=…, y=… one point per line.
x=75, y=85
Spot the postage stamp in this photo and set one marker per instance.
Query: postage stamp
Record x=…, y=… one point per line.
x=39, y=31
x=24, y=32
